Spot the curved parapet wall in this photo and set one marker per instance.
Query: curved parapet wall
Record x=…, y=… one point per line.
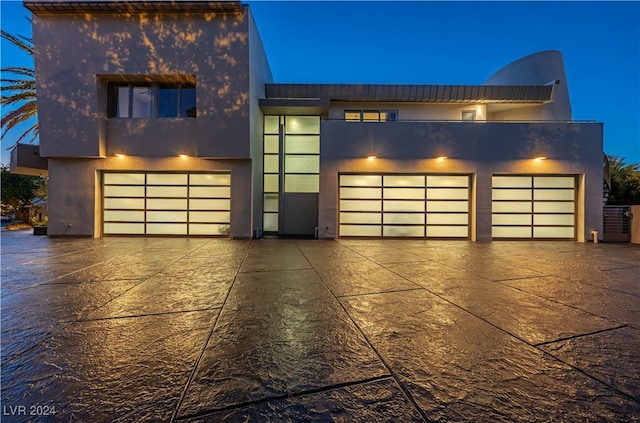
x=539, y=68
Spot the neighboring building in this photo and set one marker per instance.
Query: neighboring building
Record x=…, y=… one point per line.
x=164, y=119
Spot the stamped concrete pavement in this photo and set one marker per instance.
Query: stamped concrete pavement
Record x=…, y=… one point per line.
x=208, y=330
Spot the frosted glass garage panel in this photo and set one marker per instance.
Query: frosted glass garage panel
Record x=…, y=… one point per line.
x=554, y=182
x=166, y=216
x=153, y=191
x=202, y=229
x=270, y=222
x=447, y=231
x=554, y=219
x=361, y=205
x=167, y=179
x=271, y=163
x=198, y=204
x=360, y=218
x=511, y=194
x=511, y=219
x=447, y=206
x=552, y=207
x=403, y=181
x=361, y=193
x=271, y=183
x=400, y=205
x=554, y=194
x=403, y=218
x=512, y=207
x=124, y=228
x=124, y=203
x=124, y=215
x=511, y=232
x=166, y=204
x=447, y=181
x=301, y=164
x=403, y=231
x=210, y=179
x=361, y=180
x=210, y=192
x=204, y=217
x=360, y=230
x=271, y=144
x=511, y=181
x=302, y=183
x=404, y=193
x=553, y=232
x=123, y=191
x=302, y=144
x=166, y=228
x=124, y=178
x=302, y=125
x=447, y=193
x=447, y=219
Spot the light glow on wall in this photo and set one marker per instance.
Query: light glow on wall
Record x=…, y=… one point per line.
x=183, y=156
x=372, y=157
x=120, y=155
x=540, y=158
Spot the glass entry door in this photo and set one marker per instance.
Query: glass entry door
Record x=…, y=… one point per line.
x=291, y=174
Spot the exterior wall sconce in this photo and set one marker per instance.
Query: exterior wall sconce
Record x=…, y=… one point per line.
x=540, y=158
x=120, y=155
x=442, y=158
x=372, y=158
x=183, y=156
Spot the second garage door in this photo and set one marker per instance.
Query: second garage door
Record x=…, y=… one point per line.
x=166, y=203
x=404, y=205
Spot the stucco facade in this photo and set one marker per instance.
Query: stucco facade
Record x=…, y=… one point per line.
x=261, y=157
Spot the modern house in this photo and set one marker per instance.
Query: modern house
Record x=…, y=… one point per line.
x=163, y=118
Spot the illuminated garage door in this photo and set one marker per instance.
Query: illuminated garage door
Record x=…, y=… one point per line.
x=166, y=203
x=431, y=206
x=534, y=207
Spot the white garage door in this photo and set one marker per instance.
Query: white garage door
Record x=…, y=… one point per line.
x=166, y=203
x=431, y=206
x=533, y=207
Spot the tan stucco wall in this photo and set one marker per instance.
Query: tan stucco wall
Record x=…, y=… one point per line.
x=480, y=149
x=76, y=54
x=75, y=197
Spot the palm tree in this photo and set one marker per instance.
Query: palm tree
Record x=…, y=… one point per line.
x=20, y=100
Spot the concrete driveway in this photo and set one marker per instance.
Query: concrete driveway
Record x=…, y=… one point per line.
x=204, y=330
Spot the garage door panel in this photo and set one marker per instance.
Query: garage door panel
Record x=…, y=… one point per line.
x=124, y=203
x=404, y=193
x=124, y=228
x=554, y=182
x=166, y=204
x=403, y=231
x=166, y=229
x=204, y=217
x=360, y=230
x=511, y=219
x=447, y=219
x=210, y=192
x=447, y=194
x=511, y=231
x=404, y=181
x=153, y=191
x=356, y=218
x=447, y=181
x=553, y=219
x=361, y=180
x=124, y=215
x=167, y=179
x=448, y=231
x=124, y=178
x=403, y=218
x=553, y=232
x=400, y=206
x=448, y=206
x=216, y=204
x=124, y=191
x=554, y=207
x=166, y=216
x=554, y=194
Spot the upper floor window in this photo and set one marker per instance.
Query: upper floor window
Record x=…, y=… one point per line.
x=468, y=115
x=371, y=115
x=152, y=100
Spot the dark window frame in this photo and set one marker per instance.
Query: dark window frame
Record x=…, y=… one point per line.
x=156, y=88
x=362, y=112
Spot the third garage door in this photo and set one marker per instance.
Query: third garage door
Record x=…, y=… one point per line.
x=404, y=205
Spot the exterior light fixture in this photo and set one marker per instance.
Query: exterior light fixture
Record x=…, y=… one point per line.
x=372, y=158
x=540, y=158
x=120, y=155
x=183, y=156
x=442, y=158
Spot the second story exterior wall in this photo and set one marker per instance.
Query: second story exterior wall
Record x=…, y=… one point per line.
x=91, y=49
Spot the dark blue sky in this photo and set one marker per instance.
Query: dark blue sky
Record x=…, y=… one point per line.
x=450, y=43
